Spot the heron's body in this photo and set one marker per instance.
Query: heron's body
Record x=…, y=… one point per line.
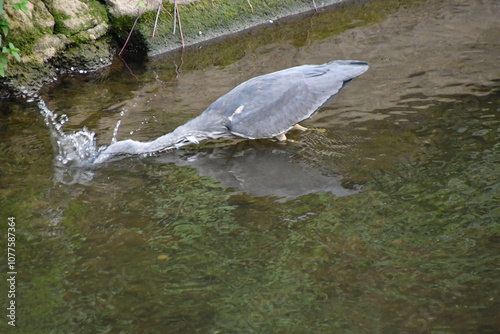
x=266, y=106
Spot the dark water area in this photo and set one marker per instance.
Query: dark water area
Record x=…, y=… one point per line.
x=383, y=218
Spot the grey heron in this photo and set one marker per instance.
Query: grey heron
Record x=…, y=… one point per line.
x=266, y=106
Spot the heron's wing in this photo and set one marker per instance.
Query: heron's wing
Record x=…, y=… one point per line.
x=271, y=104
x=265, y=120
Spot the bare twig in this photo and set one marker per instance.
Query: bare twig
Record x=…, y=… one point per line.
x=180, y=24
x=250, y=4
x=160, y=5
x=175, y=16
x=315, y=6
x=166, y=11
x=130, y=34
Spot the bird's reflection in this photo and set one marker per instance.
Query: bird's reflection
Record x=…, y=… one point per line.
x=260, y=170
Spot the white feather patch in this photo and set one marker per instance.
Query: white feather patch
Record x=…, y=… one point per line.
x=236, y=112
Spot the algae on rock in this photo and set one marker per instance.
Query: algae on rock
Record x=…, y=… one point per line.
x=46, y=31
x=60, y=36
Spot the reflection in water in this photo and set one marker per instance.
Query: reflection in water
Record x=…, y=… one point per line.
x=69, y=149
x=260, y=171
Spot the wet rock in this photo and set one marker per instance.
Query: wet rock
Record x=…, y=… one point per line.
x=58, y=36
x=47, y=47
x=72, y=15
x=120, y=8
x=45, y=34
x=37, y=14
x=98, y=31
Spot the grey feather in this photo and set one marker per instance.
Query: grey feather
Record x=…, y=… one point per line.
x=275, y=102
x=262, y=107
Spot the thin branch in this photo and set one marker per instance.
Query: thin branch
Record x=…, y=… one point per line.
x=315, y=6
x=180, y=24
x=160, y=5
x=167, y=11
x=130, y=34
x=175, y=16
x=250, y=4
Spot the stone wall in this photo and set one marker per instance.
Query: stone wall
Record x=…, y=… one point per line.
x=60, y=36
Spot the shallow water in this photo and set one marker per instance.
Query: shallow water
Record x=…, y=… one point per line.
x=384, y=219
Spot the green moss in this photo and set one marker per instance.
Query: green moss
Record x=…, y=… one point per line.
x=207, y=16
x=221, y=17
x=59, y=27
x=26, y=41
x=95, y=10
x=98, y=9
x=121, y=26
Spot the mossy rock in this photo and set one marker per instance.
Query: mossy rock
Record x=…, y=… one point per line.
x=206, y=19
x=57, y=35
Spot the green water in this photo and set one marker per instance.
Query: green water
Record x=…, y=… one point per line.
x=165, y=245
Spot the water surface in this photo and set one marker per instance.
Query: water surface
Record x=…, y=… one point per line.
x=384, y=219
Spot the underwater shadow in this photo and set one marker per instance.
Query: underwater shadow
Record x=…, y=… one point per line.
x=260, y=170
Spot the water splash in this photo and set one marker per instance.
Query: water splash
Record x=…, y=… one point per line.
x=71, y=150
x=77, y=149
x=77, y=153
x=115, y=131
